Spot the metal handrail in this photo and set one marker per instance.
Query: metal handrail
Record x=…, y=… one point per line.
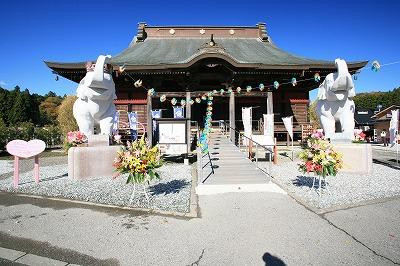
x=256, y=153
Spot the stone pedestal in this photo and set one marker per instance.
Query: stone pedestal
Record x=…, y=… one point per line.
x=357, y=158
x=86, y=162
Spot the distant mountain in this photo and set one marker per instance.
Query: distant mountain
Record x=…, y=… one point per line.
x=370, y=100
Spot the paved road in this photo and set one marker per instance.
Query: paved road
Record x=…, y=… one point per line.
x=234, y=229
x=385, y=156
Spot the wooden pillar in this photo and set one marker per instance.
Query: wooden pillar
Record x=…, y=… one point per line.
x=188, y=116
x=232, y=117
x=270, y=103
x=149, y=121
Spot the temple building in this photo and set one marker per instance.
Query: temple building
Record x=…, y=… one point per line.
x=189, y=61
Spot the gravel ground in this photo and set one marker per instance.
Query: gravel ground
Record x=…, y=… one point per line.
x=171, y=193
x=342, y=189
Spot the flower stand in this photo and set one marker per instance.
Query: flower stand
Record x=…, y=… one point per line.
x=144, y=191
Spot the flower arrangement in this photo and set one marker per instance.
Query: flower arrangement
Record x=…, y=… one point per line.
x=73, y=139
x=139, y=161
x=318, y=156
x=359, y=136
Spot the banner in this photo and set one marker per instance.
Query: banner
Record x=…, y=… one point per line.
x=269, y=125
x=155, y=114
x=288, y=122
x=178, y=112
x=115, y=123
x=394, y=127
x=247, y=117
x=132, y=117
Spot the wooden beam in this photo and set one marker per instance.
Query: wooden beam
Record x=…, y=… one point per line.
x=232, y=132
x=188, y=116
x=270, y=103
x=149, y=121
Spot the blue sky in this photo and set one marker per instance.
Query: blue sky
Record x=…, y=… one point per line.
x=33, y=31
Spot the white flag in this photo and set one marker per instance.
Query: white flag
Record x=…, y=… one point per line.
x=246, y=117
x=394, y=127
x=269, y=125
x=288, y=122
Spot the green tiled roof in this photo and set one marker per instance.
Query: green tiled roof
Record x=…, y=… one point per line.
x=156, y=51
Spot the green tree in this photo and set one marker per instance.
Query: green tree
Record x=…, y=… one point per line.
x=312, y=115
x=49, y=109
x=65, y=117
x=21, y=109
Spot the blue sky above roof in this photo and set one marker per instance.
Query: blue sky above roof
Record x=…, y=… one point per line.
x=73, y=31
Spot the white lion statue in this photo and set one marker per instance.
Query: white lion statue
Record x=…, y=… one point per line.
x=96, y=92
x=335, y=106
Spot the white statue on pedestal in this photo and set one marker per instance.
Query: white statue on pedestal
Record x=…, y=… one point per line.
x=335, y=107
x=96, y=92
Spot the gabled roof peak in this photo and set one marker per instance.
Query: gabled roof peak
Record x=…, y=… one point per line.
x=178, y=31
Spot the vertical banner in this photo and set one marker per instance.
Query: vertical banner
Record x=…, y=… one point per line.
x=115, y=123
x=132, y=117
x=155, y=114
x=247, y=117
x=269, y=125
x=288, y=122
x=394, y=127
x=178, y=112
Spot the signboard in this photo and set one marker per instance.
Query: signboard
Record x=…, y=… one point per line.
x=172, y=132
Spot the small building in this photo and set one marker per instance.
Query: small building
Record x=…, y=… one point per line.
x=364, y=121
x=188, y=61
x=382, y=121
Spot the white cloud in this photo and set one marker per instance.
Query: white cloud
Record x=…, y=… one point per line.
x=3, y=83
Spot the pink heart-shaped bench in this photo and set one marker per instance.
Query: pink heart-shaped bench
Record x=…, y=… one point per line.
x=23, y=149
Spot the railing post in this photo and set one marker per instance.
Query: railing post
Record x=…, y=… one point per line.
x=275, y=153
x=257, y=155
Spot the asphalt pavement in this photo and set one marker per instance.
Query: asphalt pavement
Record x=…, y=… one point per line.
x=232, y=229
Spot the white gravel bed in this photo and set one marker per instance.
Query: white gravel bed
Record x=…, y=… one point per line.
x=6, y=166
x=342, y=189
x=171, y=193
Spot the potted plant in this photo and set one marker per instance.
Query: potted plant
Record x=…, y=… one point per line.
x=74, y=139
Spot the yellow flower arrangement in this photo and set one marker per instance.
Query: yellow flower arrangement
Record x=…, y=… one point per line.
x=139, y=161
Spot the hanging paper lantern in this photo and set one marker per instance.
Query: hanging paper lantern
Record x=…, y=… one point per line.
x=209, y=113
x=209, y=108
x=222, y=91
x=276, y=85
x=294, y=82
x=151, y=92
x=121, y=69
x=375, y=66
x=261, y=87
x=204, y=97
x=210, y=94
x=138, y=83
x=209, y=102
x=210, y=98
x=173, y=101
x=191, y=101
x=198, y=100
x=238, y=89
x=183, y=102
x=249, y=88
x=215, y=92
x=317, y=77
x=163, y=98
x=230, y=90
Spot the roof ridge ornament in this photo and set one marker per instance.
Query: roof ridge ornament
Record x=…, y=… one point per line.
x=211, y=46
x=141, y=32
x=262, y=32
